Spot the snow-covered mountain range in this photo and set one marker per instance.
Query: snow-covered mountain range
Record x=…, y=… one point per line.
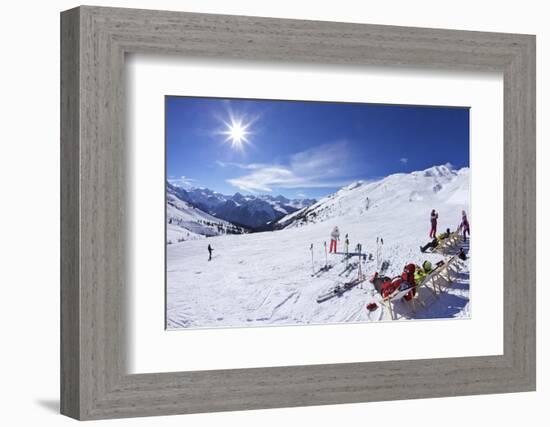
x=265, y=278
x=249, y=211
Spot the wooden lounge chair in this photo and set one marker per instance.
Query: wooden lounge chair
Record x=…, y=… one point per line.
x=439, y=277
x=452, y=266
x=398, y=295
x=432, y=281
x=448, y=243
x=444, y=274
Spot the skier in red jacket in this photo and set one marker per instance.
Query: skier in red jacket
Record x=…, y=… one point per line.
x=433, y=221
x=408, y=281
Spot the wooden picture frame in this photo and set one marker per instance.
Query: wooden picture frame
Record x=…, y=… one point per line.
x=94, y=382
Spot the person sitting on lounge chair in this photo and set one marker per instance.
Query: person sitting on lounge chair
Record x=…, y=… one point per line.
x=435, y=242
x=408, y=281
x=384, y=285
x=390, y=286
x=427, y=267
x=421, y=272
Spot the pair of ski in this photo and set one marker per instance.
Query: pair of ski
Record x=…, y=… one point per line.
x=349, y=269
x=322, y=270
x=351, y=254
x=338, y=290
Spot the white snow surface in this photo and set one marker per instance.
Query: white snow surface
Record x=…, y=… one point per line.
x=265, y=278
x=185, y=222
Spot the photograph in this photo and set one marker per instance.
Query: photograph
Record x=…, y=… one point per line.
x=294, y=212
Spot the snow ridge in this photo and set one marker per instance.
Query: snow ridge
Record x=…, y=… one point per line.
x=435, y=185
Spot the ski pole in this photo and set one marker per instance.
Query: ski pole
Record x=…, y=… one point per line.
x=381, y=245
x=326, y=258
x=359, y=273
x=377, y=252
x=347, y=251
x=312, y=266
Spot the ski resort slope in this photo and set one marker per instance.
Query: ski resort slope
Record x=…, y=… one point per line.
x=262, y=279
x=185, y=222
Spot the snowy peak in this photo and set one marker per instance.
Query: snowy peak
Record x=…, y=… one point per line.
x=442, y=171
x=238, y=197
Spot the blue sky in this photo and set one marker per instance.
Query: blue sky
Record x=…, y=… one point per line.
x=305, y=149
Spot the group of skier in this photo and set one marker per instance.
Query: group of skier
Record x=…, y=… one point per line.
x=412, y=274
x=464, y=225
x=410, y=278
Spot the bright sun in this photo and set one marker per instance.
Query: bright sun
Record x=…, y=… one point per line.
x=237, y=133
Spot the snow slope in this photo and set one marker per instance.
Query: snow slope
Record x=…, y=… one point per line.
x=437, y=184
x=185, y=222
x=265, y=278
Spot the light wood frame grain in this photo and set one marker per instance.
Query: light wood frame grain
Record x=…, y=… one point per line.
x=94, y=382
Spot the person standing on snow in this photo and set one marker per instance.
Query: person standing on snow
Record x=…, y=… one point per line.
x=433, y=220
x=210, y=252
x=334, y=237
x=464, y=225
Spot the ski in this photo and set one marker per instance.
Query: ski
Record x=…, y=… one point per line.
x=352, y=269
x=347, y=271
x=338, y=290
x=350, y=254
x=322, y=270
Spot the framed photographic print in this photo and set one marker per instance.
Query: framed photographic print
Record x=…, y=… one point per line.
x=314, y=212
x=290, y=190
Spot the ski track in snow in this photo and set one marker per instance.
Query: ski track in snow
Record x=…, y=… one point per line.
x=262, y=279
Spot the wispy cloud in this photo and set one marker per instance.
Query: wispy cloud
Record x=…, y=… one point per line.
x=182, y=181
x=248, y=166
x=325, y=166
x=404, y=160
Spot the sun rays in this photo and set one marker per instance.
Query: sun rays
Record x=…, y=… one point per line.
x=237, y=131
